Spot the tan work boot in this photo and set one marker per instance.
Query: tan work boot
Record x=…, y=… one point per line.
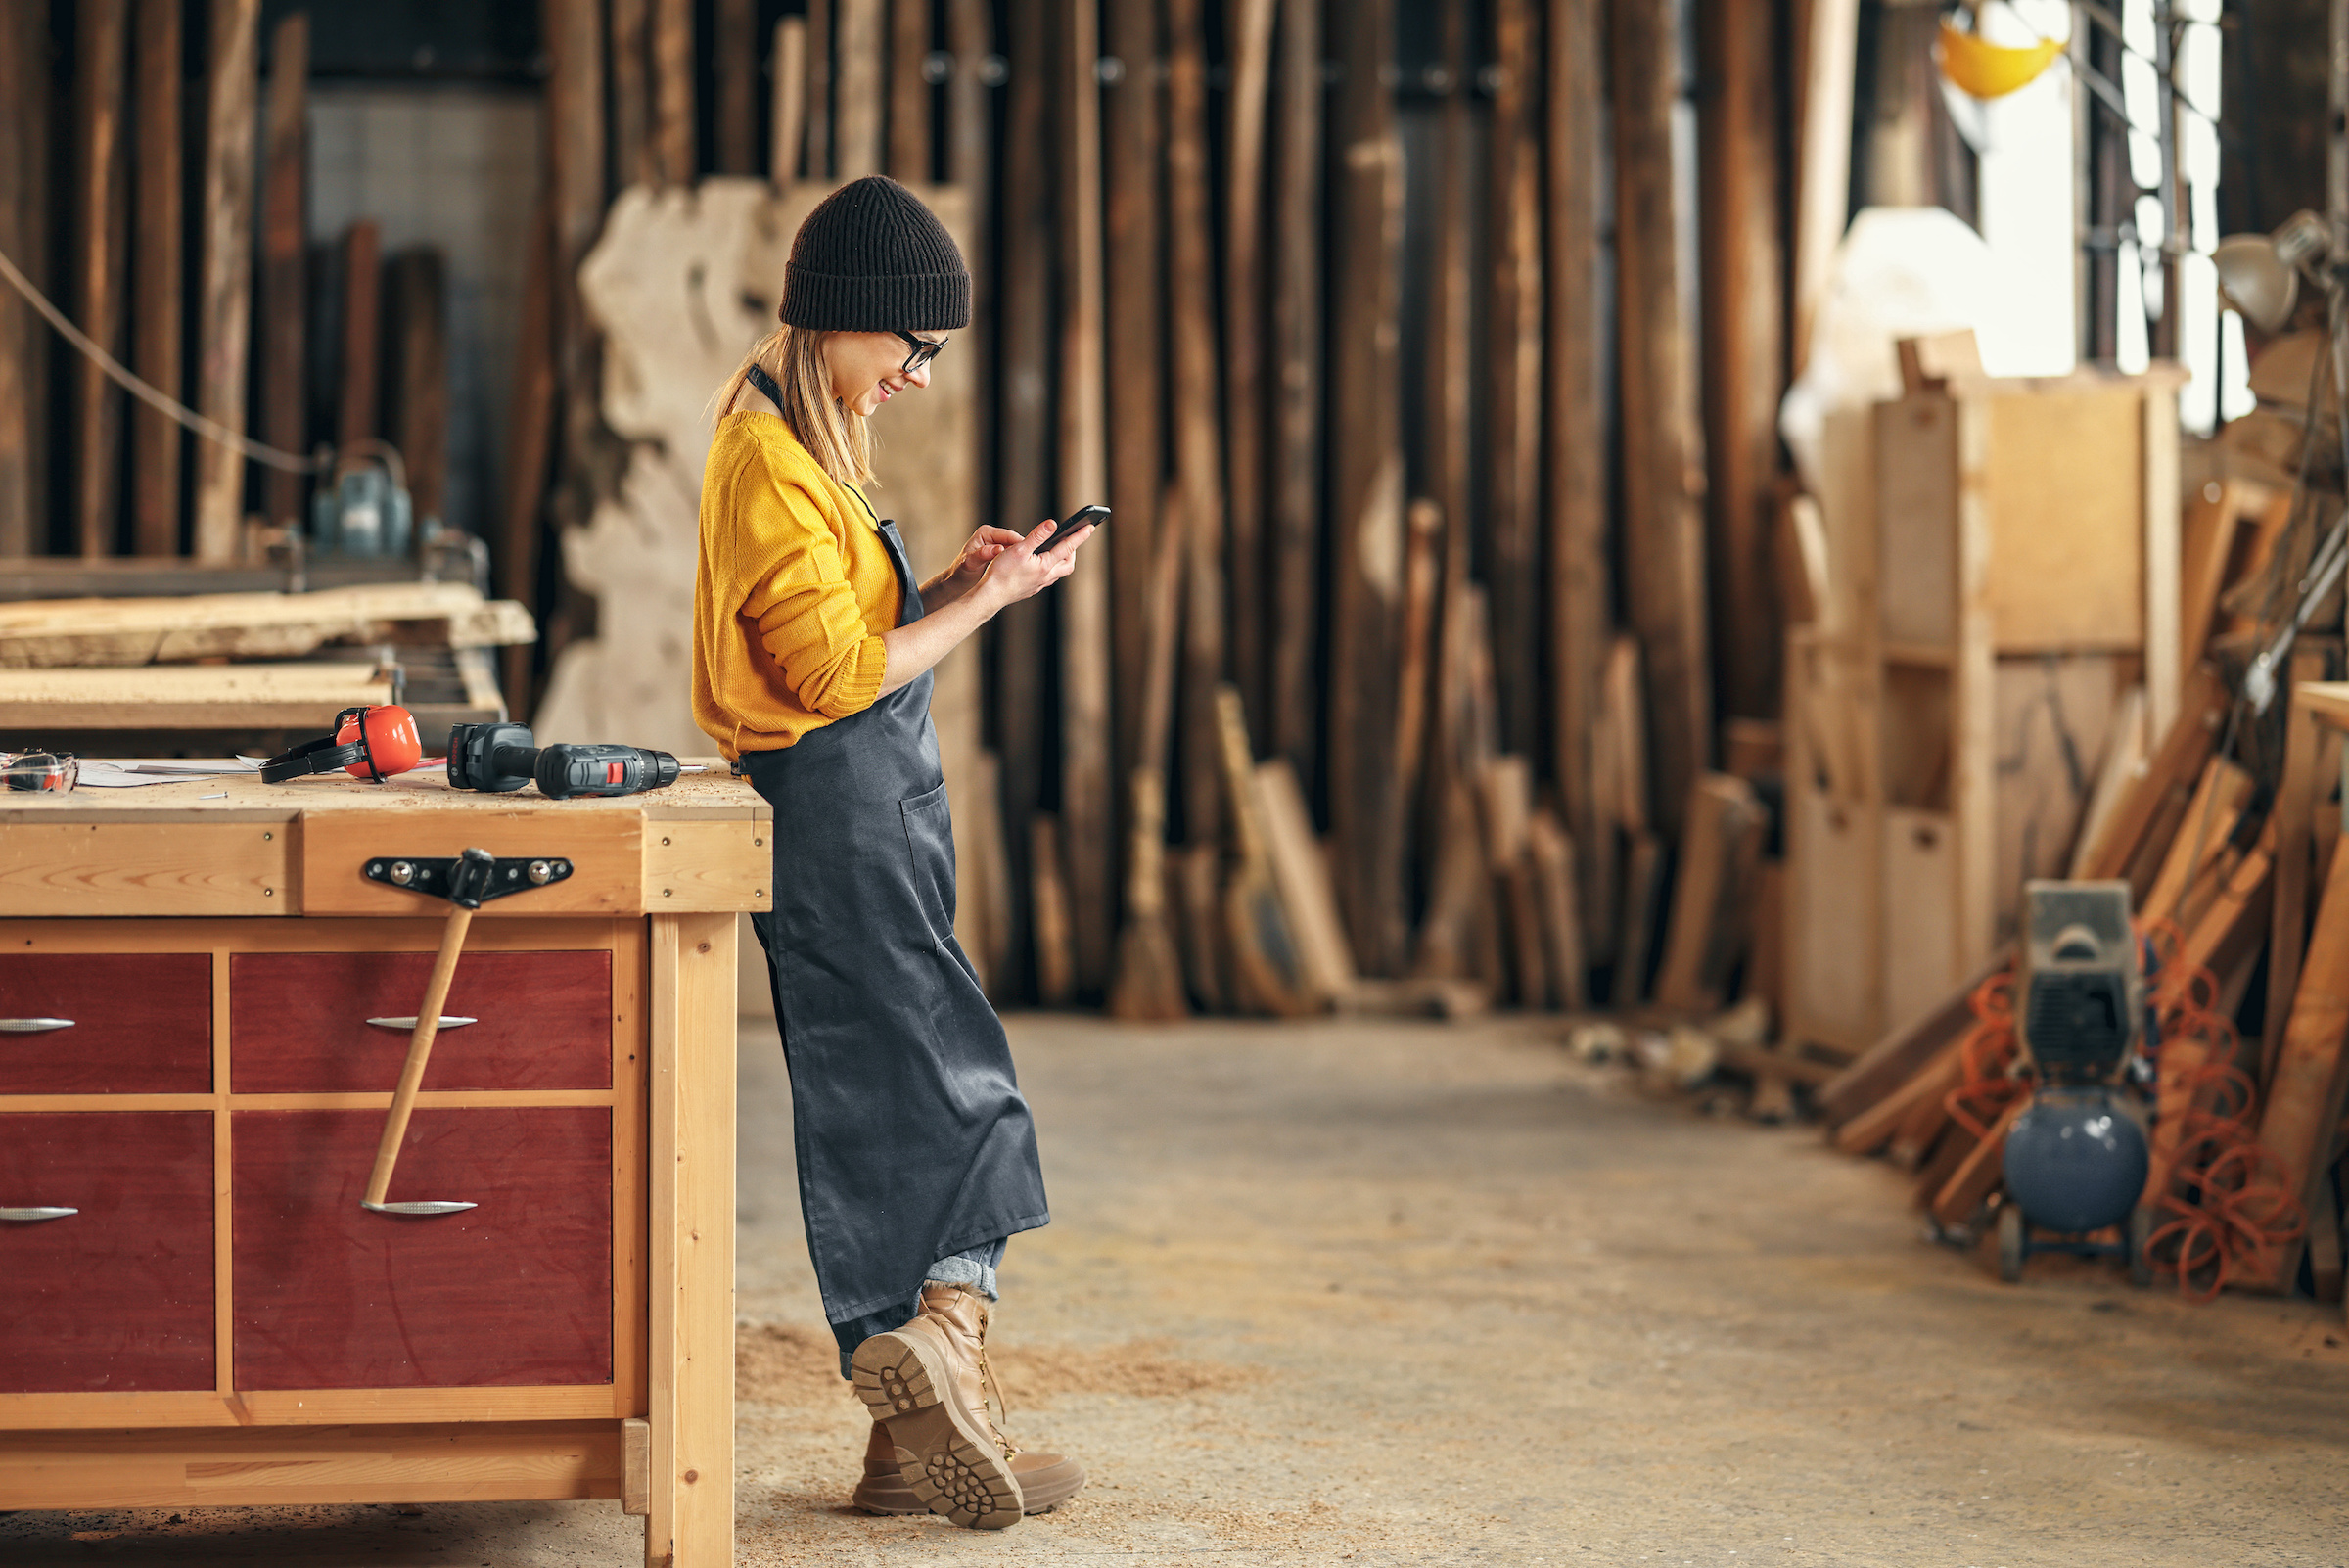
x=928, y=1381
x=1046, y=1480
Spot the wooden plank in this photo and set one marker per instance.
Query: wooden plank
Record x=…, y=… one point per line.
x=1867, y=1131
x=606, y=852
x=1642, y=905
x=2165, y=664
x=1712, y=908
x=117, y=633
x=145, y=868
x=23, y=338
x=787, y=119
x=1195, y=876
x=2125, y=758
x=636, y=1466
x=1248, y=36
x=2208, y=531
x=857, y=102
x=2299, y=796
x=1744, y=313
x=1512, y=414
x=734, y=61
x=1663, y=476
x=2167, y=780
x=1301, y=873
x=676, y=160
x=1269, y=974
x=701, y=867
x=1294, y=565
x=155, y=286
x=1574, y=422
x=2219, y=799
x=223, y=320
x=910, y=88
x=1505, y=802
x=355, y=410
x=1130, y=145
x=1195, y=385
x=1148, y=982
x=819, y=89
x=1825, y=51
x=101, y=215
x=189, y=697
x=418, y=421
x=1879, y=1071
x=2302, y=1114
x=1366, y=811
x=630, y=52
x=531, y=442
x=692, y=1220
x=1088, y=808
x=285, y=274
x=1550, y=855
x=1055, y=944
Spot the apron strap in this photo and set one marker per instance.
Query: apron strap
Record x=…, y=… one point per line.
x=765, y=383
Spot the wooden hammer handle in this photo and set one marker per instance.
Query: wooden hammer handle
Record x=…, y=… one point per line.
x=420, y=1052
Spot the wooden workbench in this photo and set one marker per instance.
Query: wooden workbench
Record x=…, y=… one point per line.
x=208, y=1002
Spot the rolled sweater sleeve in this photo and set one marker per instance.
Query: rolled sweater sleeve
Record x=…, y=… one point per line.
x=804, y=607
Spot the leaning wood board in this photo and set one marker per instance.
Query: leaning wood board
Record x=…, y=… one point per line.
x=610, y=1379
x=86, y=633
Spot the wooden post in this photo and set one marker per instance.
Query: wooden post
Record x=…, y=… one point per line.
x=355, y=412
x=1250, y=44
x=1088, y=812
x=418, y=424
x=734, y=55
x=1294, y=567
x=1826, y=50
x=1198, y=433
x=2298, y=798
x=819, y=89
x=1148, y=984
x=156, y=263
x=529, y=436
x=224, y=325
x=1713, y=900
x=631, y=50
x=1023, y=453
x=910, y=90
x=285, y=245
x=1366, y=813
x=24, y=337
x=1131, y=138
x=1744, y=312
x=787, y=122
x=856, y=99
x=1663, y=448
x=1575, y=421
x=969, y=26
x=102, y=30
x=674, y=161
x=1513, y=378
x=576, y=183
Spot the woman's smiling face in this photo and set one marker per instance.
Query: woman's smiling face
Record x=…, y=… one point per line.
x=868, y=368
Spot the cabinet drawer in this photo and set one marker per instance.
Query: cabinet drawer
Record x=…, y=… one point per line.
x=298, y=1021
x=132, y=1023
x=118, y=1296
x=514, y=1292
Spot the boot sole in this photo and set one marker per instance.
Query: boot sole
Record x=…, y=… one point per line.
x=954, y=1469
x=1041, y=1490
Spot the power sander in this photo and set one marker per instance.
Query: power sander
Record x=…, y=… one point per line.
x=497, y=759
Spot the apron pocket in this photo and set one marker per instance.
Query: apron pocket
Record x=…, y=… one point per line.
x=930, y=845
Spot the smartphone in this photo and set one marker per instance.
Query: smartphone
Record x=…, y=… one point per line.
x=1095, y=514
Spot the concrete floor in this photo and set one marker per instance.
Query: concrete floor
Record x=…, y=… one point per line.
x=1401, y=1293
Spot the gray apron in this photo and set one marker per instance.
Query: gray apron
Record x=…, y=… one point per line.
x=913, y=1141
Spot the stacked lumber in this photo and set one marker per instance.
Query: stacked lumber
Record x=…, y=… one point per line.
x=52, y=633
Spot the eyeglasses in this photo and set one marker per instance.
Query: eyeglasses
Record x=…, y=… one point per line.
x=924, y=351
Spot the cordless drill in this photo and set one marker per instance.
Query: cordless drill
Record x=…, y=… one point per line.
x=499, y=758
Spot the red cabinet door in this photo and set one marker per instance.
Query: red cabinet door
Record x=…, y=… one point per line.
x=106, y=1023
x=514, y=1292
x=119, y=1295
x=298, y=1021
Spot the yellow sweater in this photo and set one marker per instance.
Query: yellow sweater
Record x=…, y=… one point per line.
x=792, y=593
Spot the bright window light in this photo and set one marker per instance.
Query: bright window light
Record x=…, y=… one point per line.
x=2198, y=342
x=2234, y=369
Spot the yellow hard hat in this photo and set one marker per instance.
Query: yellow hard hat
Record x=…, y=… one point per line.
x=1984, y=70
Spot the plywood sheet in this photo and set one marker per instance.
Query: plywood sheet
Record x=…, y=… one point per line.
x=2065, y=477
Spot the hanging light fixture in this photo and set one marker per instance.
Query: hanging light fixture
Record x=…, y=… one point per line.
x=2259, y=274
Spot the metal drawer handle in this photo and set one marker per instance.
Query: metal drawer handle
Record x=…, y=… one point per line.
x=33, y=1025
x=409, y=1021
x=430, y=1206
x=28, y=1215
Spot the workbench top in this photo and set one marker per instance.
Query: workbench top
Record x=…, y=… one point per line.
x=234, y=845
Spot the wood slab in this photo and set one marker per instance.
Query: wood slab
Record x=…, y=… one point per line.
x=118, y=632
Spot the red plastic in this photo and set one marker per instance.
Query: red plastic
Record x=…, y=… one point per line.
x=392, y=740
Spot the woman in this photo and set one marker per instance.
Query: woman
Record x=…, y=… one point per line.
x=812, y=653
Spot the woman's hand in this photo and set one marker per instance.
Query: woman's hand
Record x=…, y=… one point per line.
x=1020, y=571
x=968, y=568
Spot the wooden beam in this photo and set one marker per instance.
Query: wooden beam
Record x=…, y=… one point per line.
x=1663, y=447
x=224, y=323
x=1712, y=909
x=1148, y=984
x=356, y=414
x=101, y=48
x=1198, y=432
x=631, y=53
x=675, y=160
x=1457, y=905
x=734, y=60
x=1575, y=413
x=1744, y=315
x=285, y=245
x=910, y=88
x=787, y=119
x=1366, y=811
x=857, y=101
x=156, y=282
x=2302, y=1115
x=1513, y=418
x=2302, y=793
x=1249, y=44
x=23, y=338
x=1826, y=50
x=418, y=422
x=1294, y=565
x=1088, y=810
x=819, y=89
x=2160, y=793
x=970, y=25
x=531, y=439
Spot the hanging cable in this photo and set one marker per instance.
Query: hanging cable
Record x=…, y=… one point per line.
x=155, y=399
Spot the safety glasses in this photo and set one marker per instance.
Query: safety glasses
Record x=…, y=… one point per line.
x=923, y=353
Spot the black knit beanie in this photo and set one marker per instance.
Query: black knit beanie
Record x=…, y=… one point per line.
x=871, y=257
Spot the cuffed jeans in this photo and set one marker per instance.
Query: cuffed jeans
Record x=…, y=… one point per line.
x=975, y=1268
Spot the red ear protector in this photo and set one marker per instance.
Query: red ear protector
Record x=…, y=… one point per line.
x=371, y=743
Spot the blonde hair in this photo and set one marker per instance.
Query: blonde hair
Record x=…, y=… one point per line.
x=835, y=435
